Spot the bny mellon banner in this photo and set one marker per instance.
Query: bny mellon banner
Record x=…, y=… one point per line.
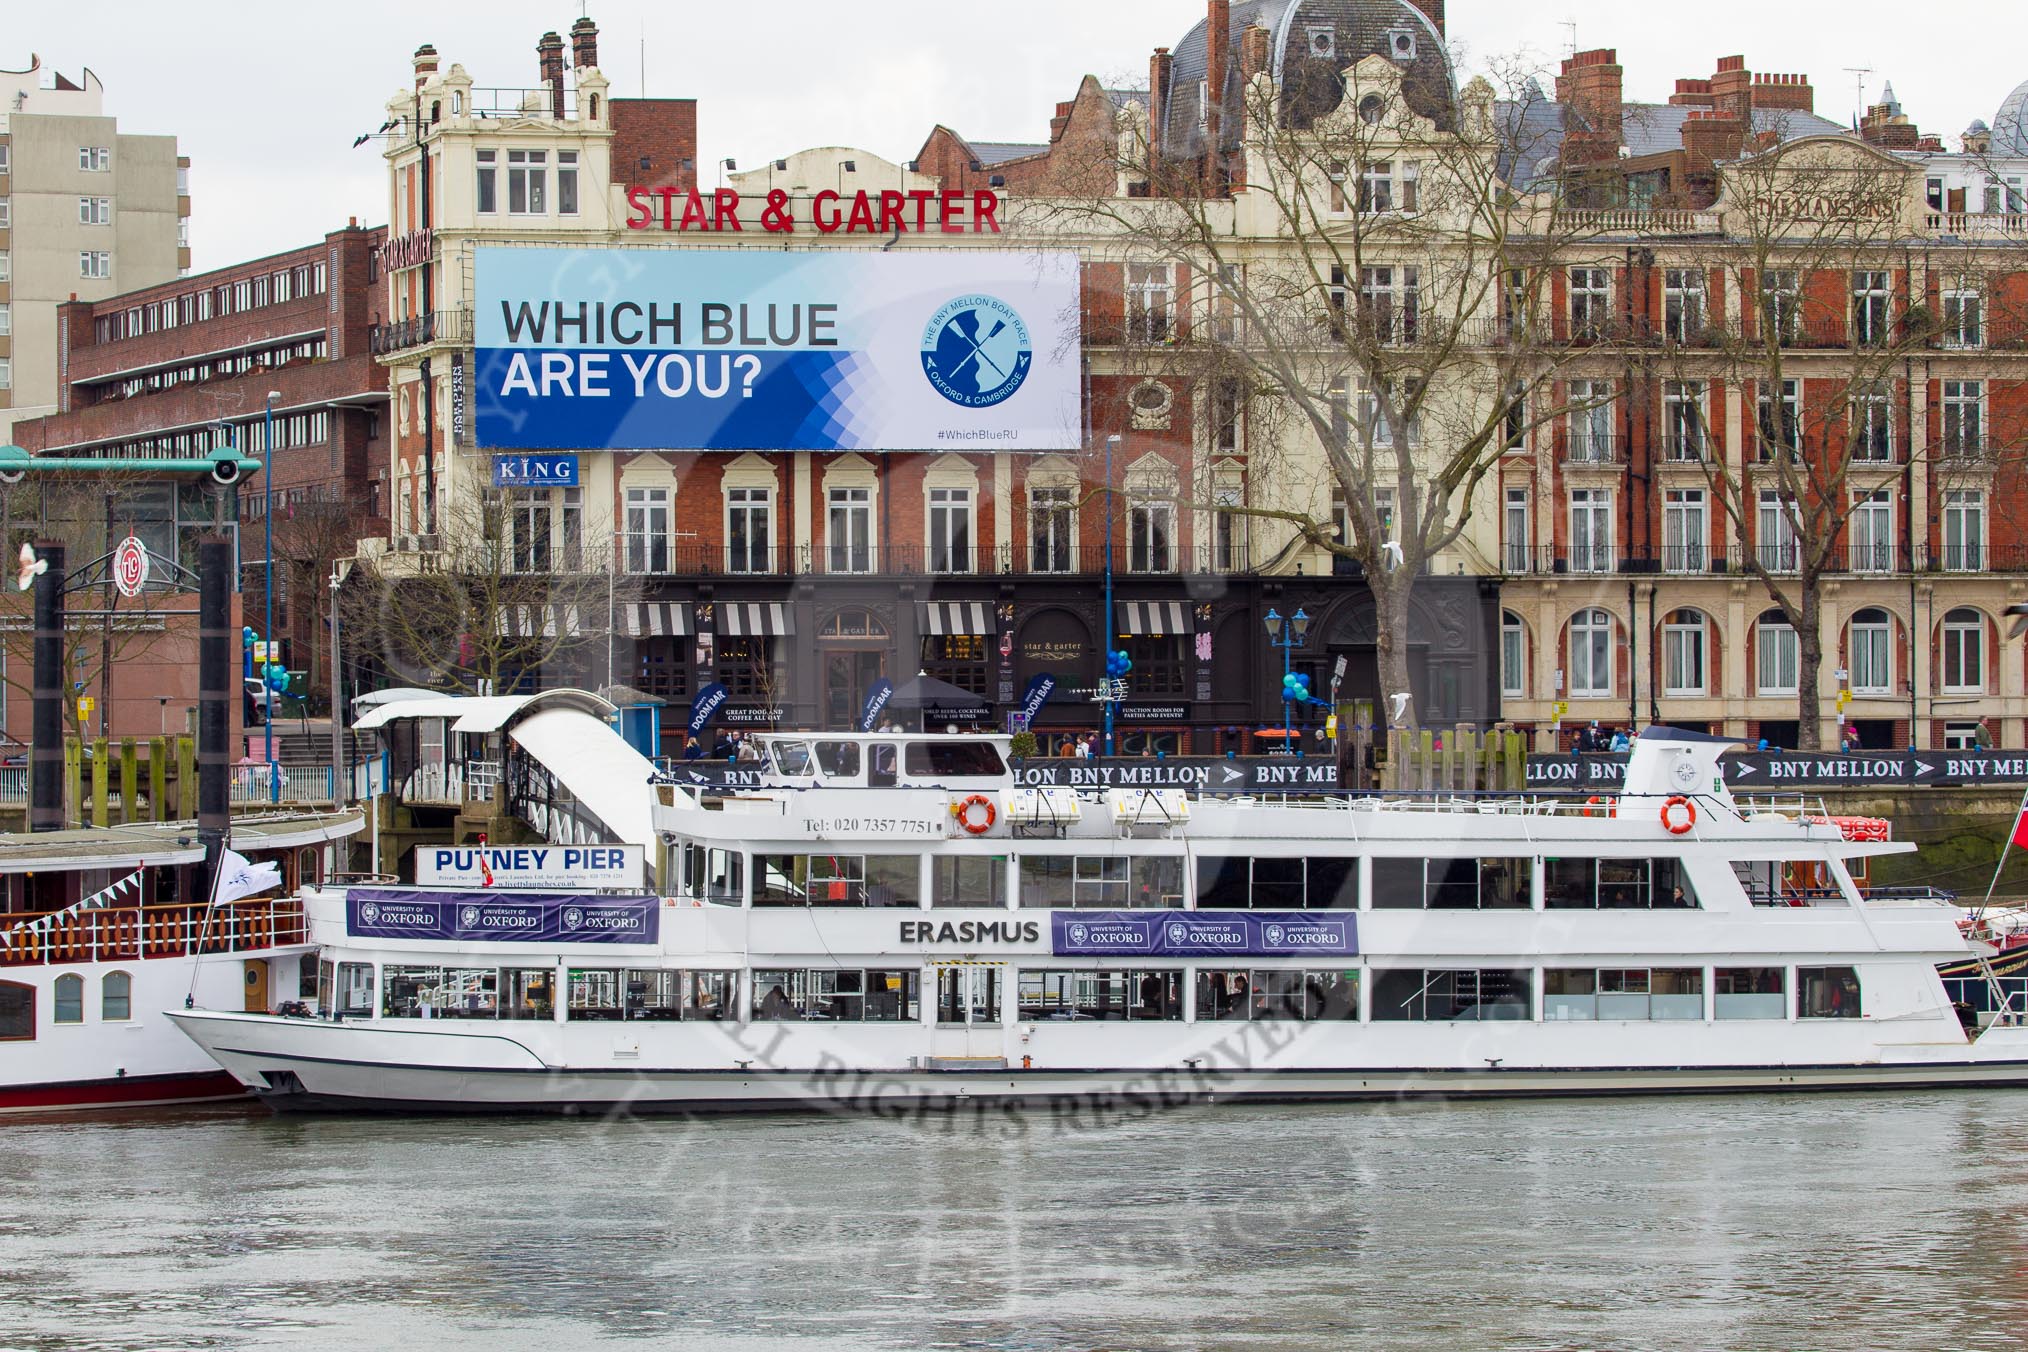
x=673, y=349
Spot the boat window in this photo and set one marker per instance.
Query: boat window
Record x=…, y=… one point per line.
x=327, y=975
x=1102, y=881
x=69, y=1003
x=1623, y=993
x=355, y=989
x=942, y=759
x=839, y=759
x=654, y=994
x=880, y=775
x=1112, y=994
x=116, y=997
x=1749, y=993
x=707, y=995
x=1616, y=884
x=594, y=993
x=1827, y=992
x=968, y=880
x=527, y=992
x=968, y=993
x=839, y=880
x=1444, y=994
x=792, y=758
x=1452, y=884
x=439, y=992
x=1271, y=993
x=306, y=977
x=849, y=995
x=1236, y=882
x=17, y=1012
x=724, y=880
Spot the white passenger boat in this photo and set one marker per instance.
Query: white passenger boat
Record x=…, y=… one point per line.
x=888, y=923
x=102, y=929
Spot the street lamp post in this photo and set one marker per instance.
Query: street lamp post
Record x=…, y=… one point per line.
x=1106, y=621
x=268, y=571
x=340, y=791
x=1287, y=633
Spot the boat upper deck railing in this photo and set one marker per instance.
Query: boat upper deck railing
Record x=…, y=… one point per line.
x=140, y=933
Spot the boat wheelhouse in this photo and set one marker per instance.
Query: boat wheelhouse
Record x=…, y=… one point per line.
x=887, y=920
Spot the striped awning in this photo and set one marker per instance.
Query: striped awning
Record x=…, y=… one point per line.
x=658, y=620
x=1155, y=618
x=540, y=621
x=954, y=617
x=757, y=619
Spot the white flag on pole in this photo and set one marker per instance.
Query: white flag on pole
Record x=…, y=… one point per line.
x=239, y=877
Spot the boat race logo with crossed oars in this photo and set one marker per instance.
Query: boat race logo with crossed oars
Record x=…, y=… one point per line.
x=975, y=351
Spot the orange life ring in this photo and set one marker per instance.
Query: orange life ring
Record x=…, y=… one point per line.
x=963, y=812
x=1669, y=824
x=1605, y=806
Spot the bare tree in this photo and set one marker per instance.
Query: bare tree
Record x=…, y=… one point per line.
x=1367, y=294
x=502, y=601
x=1838, y=309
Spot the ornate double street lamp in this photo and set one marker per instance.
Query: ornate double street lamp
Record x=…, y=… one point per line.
x=1287, y=632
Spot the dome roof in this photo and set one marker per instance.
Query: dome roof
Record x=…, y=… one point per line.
x=2010, y=124
x=1309, y=43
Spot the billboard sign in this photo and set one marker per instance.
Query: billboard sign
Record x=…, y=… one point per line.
x=640, y=349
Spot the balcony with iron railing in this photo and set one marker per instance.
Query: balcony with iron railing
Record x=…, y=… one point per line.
x=1592, y=447
x=442, y=326
x=658, y=558
x=1692, y=560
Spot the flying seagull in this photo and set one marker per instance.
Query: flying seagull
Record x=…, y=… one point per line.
x=2019, y=610
x=31, y=568
x=1391, y=551
x=1400, y=702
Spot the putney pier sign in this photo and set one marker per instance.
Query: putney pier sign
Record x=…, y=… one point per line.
x=1751, y=770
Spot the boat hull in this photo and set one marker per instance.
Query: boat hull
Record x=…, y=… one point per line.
x=270, y=1057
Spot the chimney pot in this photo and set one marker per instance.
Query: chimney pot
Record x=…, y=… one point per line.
x=584, y=44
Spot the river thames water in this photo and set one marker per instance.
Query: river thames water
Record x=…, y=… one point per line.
x=1864, y=1221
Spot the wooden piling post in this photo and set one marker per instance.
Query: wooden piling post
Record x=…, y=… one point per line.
x=158, y=779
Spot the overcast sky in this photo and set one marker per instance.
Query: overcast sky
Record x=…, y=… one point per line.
x=266, y=98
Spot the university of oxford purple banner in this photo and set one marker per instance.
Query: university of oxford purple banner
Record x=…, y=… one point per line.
x=502, y=917
x=1199, y=934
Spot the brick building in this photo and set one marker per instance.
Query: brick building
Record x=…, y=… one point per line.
x=190, y=366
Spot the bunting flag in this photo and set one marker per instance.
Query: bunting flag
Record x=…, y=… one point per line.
x=105, y=896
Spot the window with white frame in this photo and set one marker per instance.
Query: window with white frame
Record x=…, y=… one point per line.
x=1228, y=525
x=528, y=521
x=3, y=158
x=1871, y=531
x=6, y=265
x=1777, y=656
x=1591, y=302
x=1514, y=527
x=749, y=530
x=1776, y=530
x=647, y=530
x=1151, y=533
x=6, y=319
x=527, y=182
x=95, y=159
x=486, y=177
x=1377, y=421
x=950, y=530
x=1591, y=654
x=1964, y=530
x=95, y=264
x=94, y=211
x=1686, y=529
x=1961, y=735
x=566, y=182
x=1869, y=653
x=1781, y=418
x=573, y=530
x=848, y=524
x=5, y=211
x=1964, y=652
x=1683, y=305
x=1591, y=530
x=1151, y=295
x=6, y=373
x=1684, y=634
x=1376, y=186
x=1869, y=307
x=1513, y=656
x=1964, y=421
x=1873, y=426
x=1515, y=429
x=1052, y=528
x=1781, y=305
x=1390, y=303
x=1964, y=319
x=1683, y=420
x=1591, y=421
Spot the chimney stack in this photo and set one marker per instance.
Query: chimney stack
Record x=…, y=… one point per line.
x=549, y=61
x=1217, y=48
x=1253, y=51
x=584, y=44
x=425, y=64
x=1590, y=88
x=1159, y=67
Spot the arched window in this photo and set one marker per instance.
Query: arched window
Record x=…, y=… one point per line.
x=1869, y=652
x=116, y=998
x=17, y=1012
x=1513, y=656
x=69, y=999
x=1964, y=652
x=1777, y=655
x=1683, y=653
x=1591, y=654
